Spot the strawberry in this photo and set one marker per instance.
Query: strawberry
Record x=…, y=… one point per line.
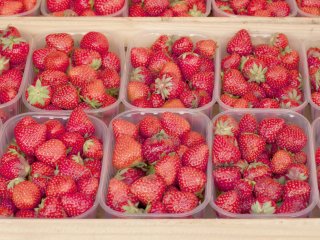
x=148, y=189
x=310, y=3
x=82, y=75
x=30, y=137
x=265, y=49
x=296, y=188
x=137, y=90
x=142, y=102
x=244, y=188
x=301, y=158
x=11, y=80
x=80, y=122
x=142, y=74
x=58, y=5
x=229, y=201
x=269, y=103
x=10, y=31
x=231, y=62
x=279, y=9
x=94, y=40
x=94, y=166
x=60, y=41
x=240, y=43
x=87, y=57
x=157, y=61
x=75, y=204
x=253, y=69
x=5, y=212
x=140, y=57
x=55, y=129
x=56, y=61
x=248, y=123
x=15, y=49
x=182, y=45
x=80, y=6
x=206, y=48
x=162, y=43
x=228, y=99
x=192, y=139
x=3, y=187
x=191, y=180
x=149, y=126
x=179, y=202
x=73, y=142
x=53, y=78
x=14, y=168
x=269, y=128
x=39, y=56
x=292, y=205
x=256, y=171
x=279, y=40
x=129, y=175
x=196, y=157
x=179, y=9
x=124, y=127
x=277, y=77
x=65, y=97
x=317, y=156
x=156, y=207
x=92, y=148
x=291, y=138
x=119, y=197
x=51, y=152
x=168, y=168
x=238, y=5
x=39, y=95
x=251, y=146
x=4, y=64
x=11, y=8
x=290, y=59
x=189, y=64
x=263, y=205
x=225, y=150
x=246, y=203
x=268, y=188
x=226, y=178
x=254, y=6
x=174, y=124
x=155, y=7
x=226, y=125
x=26, y=195
x=172, y=69
x=234, y=83
x=169, y=87
x=40, y=169
x=60, y=185
x=203, y=81
x=264, y=13
x=94, y=93
x=161, y=143
x=127, y=152
x=73, y=167
x=173, y=103
x=280, y=162
x=111, y=60
x=298, y=171
x=25, y=213
x=106, y=7
x=51, y=207
x=137, y=10
x=8, y=95
x=65, y=13
x=315, y=96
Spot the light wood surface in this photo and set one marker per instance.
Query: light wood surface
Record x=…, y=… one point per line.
x=94, y=229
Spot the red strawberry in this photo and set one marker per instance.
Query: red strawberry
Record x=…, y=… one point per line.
x=51, y=152
x=65, y=97
x=172, y=69
x=298, y=171
x=248, y=123
x=127, y=152
x=58, y=5
x=119, y=197
x=234, y=83
x=291, y=138
x=88, y=186
x=315, y=96
x=26, y=195
x=179, y=202
x=226, y=125
x=240, y=43
x=80, y=122
x=174, y=124
x=296, y=188
x=182, y=45
x=290, y=59
x=94, y=40
x=92, y=148
x=229, y=201
x=55, y=129
x=140, y=57
x=94, y=93
x=148, y=189
x=263, y=205
x=39, y=169
x=231, y=62
x=73, y=142
x=56, y=60
x=142, y=102
x=169, y=87
x=155, y=7
x=265, y=49
x=149, y=126
x=179, y=9
x=251, y=146
x=142, y=74
x=39, y=95
x=107, y=7
x=51, y=207
x=168, y=168
x=203, y=81
x=157, y=61
x=156, y=207
x=73, y=167
x=6, y=96
x=281, y=162
x=244, y=188
x=53, y=78
x=173, y=103
x=137, y=90
x=94, y=166
x=87, y=57
x=196, y=157
x=82, y=75
x=189, y=64
x=111, y=60
x=159, y=144
x=256, y=171
x=75, y=204
x=246, y=203
x=123, y=127
x=80, y=6
x=14, y=168
x=39, y=56
x=225, y=150
x=25, y=213
x=253, y=69
x=162, y=43
x=15, y=49
x=5, y=212
x=269, y=103
x=269, y=128
x=191, y=180
x=60, y=185
x=65, y=13
x=277, y=77
x=137, y=10
x=60, y=41
x=279, y=40
x=279, y=9
x=129, y=175
x=191, y=139
x=226, y=178
x=268, y=188
x=206, y=48
x=292, y=205
x=301, y=158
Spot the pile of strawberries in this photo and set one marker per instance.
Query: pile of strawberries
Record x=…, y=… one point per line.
x=12, y=7
x=313, y=57
x=69, y=76
x=173, y=73
x=51, y=170
x=317, y=157
x=14, y=51
x=260, y=168
x=264, y=75
x=71, y=8
x=166, y=8
x=309, y=6
x=161, y=166
x=258, y=8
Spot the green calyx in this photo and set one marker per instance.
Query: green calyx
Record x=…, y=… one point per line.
x=14, y=182
x=257, y=73
x=114, y=92
x=93, y=103
x=4, y=64
x=77, y=158
x=87, y=145
x=37, y=94
x=96, y=64
x=265, y=208
x=10, y=41
x=195, y=12
x=164, y=86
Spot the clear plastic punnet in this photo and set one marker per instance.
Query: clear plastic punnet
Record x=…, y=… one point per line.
x=33, y=12
x=13, y=107
x=315, y=109
x=290, y=117
x=217, y=12
x=7, y=134
x=260, y=38
x=316, y=138
x=146, y=39
x=115, y=45
x=198, y=121
x=123, y=12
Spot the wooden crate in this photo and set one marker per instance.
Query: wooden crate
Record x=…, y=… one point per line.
x=192, y=229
